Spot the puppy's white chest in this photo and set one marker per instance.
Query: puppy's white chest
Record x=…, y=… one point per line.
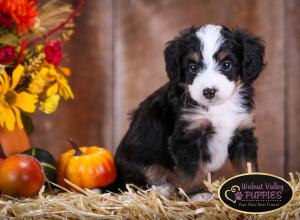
x=225, y=120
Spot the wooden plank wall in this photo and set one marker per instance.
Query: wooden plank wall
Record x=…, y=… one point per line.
x=116, y=57
x=292, y=74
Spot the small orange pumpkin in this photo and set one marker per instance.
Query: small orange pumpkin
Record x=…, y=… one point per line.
x=86, y=167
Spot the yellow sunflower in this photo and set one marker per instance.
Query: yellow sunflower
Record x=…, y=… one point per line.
x=50, y=104
x=53, y=81
x=61, y=87
x=11, y=101
x=50, y=83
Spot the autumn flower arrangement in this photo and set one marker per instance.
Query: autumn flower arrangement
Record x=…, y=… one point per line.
x=31, y=75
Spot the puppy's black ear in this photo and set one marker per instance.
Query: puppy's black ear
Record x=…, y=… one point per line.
x=172, y=56
x=253, y=55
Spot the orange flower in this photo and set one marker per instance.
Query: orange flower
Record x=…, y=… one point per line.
x=22, y=11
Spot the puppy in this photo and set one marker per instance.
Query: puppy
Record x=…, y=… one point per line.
x=198, y=119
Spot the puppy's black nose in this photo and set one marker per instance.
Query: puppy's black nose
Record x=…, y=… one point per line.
x=209, y=93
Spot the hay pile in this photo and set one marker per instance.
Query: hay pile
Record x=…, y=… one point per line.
x=134, y=204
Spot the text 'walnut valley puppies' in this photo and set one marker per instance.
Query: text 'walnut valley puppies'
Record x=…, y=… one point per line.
x=200, y=118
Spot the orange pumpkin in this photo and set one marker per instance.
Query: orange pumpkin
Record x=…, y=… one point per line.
x=13, y=142
x=87, y=167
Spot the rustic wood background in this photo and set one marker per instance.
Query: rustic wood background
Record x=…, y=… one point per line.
x=116, y=58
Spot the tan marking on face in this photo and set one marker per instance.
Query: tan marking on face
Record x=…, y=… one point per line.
x=195, y=57
x=222, y=55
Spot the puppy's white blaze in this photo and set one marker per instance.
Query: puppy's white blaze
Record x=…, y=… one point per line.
x=211, y=39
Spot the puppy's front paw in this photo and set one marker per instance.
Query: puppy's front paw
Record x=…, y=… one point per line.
x=165, y=190
x=97, y=190
x=203, y=197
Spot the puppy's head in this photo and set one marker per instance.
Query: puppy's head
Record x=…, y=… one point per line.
x=212, y=60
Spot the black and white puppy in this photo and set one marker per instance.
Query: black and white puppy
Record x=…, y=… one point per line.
x=201, y=117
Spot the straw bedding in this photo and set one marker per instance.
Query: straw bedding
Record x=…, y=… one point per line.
x=134, y=203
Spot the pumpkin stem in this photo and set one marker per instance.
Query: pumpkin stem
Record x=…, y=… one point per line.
x=75, y=146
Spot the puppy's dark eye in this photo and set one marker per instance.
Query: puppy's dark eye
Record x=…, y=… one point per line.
x=226, y=65
x=194, y=68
